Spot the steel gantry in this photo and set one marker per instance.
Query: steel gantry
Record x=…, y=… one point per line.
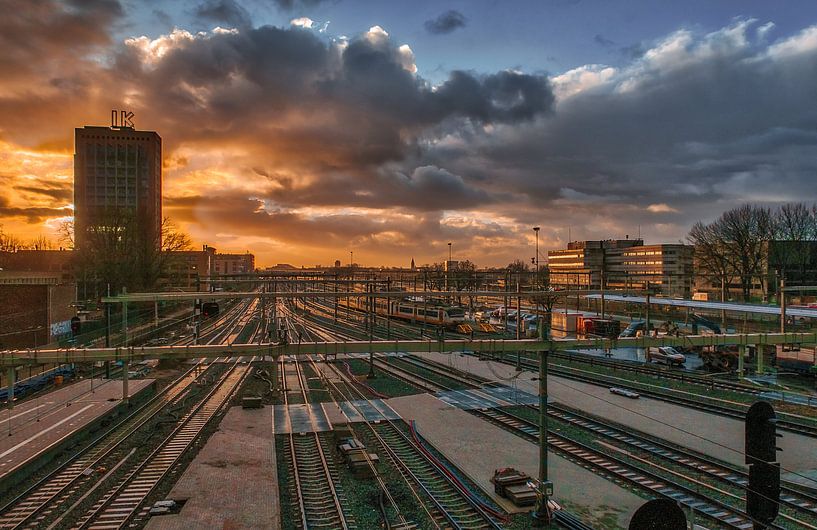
x=10, y=358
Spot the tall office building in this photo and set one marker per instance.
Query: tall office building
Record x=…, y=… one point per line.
x=117, y=170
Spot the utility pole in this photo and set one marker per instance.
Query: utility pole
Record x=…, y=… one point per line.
x=782, y=303
x=541, y=514
x=107, y=333
x=647, y=311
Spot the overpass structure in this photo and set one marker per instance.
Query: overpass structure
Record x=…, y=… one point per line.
x=16, y=358
x=226, y=295
x=714, y=306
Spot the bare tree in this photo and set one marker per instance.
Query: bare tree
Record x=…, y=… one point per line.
x=736, y=244
x=793, y=248
x=711, y=255
x=9, y=242
x=517, y=266
x=65, y=234
x=41, y=242
x=117, y=252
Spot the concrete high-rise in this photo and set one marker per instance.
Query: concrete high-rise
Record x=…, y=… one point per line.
x=117, y=170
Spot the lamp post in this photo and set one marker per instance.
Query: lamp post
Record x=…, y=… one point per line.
x=536, y=231
x=448, y=269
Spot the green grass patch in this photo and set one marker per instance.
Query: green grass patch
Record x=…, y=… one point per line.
x=383, y=383
x=428, y=374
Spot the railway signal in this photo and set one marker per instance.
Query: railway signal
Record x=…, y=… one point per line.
x=76, y=325
x=763, y=490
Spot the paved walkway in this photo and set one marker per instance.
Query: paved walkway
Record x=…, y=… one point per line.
x=708, y=433
x=40, y=423
x=233, y=482
x=477, y=448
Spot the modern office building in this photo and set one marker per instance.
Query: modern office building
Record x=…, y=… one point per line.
x=117, y=173
x=623, y=263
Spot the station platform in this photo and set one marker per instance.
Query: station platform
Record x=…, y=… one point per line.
x=705, y=432
x=233, y=481
x=40, y=424
x=477, y=448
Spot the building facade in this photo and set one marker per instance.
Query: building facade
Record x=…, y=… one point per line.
x=37, y=308
x=192, y=269
x=117, y=169
x=623, y=264
x=227, y=264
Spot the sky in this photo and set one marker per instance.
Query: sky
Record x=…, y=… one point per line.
x=301, y=130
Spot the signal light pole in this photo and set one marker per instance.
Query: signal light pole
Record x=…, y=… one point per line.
x=763, y=490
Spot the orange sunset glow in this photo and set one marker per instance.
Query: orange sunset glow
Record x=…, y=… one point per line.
x=301, y=144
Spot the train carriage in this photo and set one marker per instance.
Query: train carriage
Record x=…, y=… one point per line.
x=412, y=310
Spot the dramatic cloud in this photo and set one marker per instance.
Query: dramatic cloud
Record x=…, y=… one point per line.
x=446, y=22
x=224, y=11
x=299, y=145
x=289, y=5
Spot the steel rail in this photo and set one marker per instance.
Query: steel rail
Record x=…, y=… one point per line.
x=36, y=499
x=791, y=496
x=119, y=505
x=622, y=470
x=411, y=477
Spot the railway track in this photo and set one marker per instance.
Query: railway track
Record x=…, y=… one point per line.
x=453, y=508
x=798, y=502
x=624, y=472
x=39, y=503
x=121, y=503
x=681, y=375
x=721, y=407
x=447, y=505
x=787, y=421
x=317, y=485
x=791, y=497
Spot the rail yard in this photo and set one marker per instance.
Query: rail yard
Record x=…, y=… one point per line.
x=304, y=404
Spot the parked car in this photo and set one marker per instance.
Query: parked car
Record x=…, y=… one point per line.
x=666, y=354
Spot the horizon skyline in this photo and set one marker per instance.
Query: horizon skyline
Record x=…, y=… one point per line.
x=294, y=132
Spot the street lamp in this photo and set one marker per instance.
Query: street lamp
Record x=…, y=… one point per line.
x=536, y=231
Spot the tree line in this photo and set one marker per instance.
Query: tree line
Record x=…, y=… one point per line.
x=116, y=252
x=748, y=243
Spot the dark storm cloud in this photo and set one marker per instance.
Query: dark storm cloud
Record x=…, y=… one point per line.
x=446, y=22
x=30, y=214
x=224, y=11
x=345, y=137
x=289, y=5
x=359, y=102
x=33, y=33
x=54, y=191
x=671, y=129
